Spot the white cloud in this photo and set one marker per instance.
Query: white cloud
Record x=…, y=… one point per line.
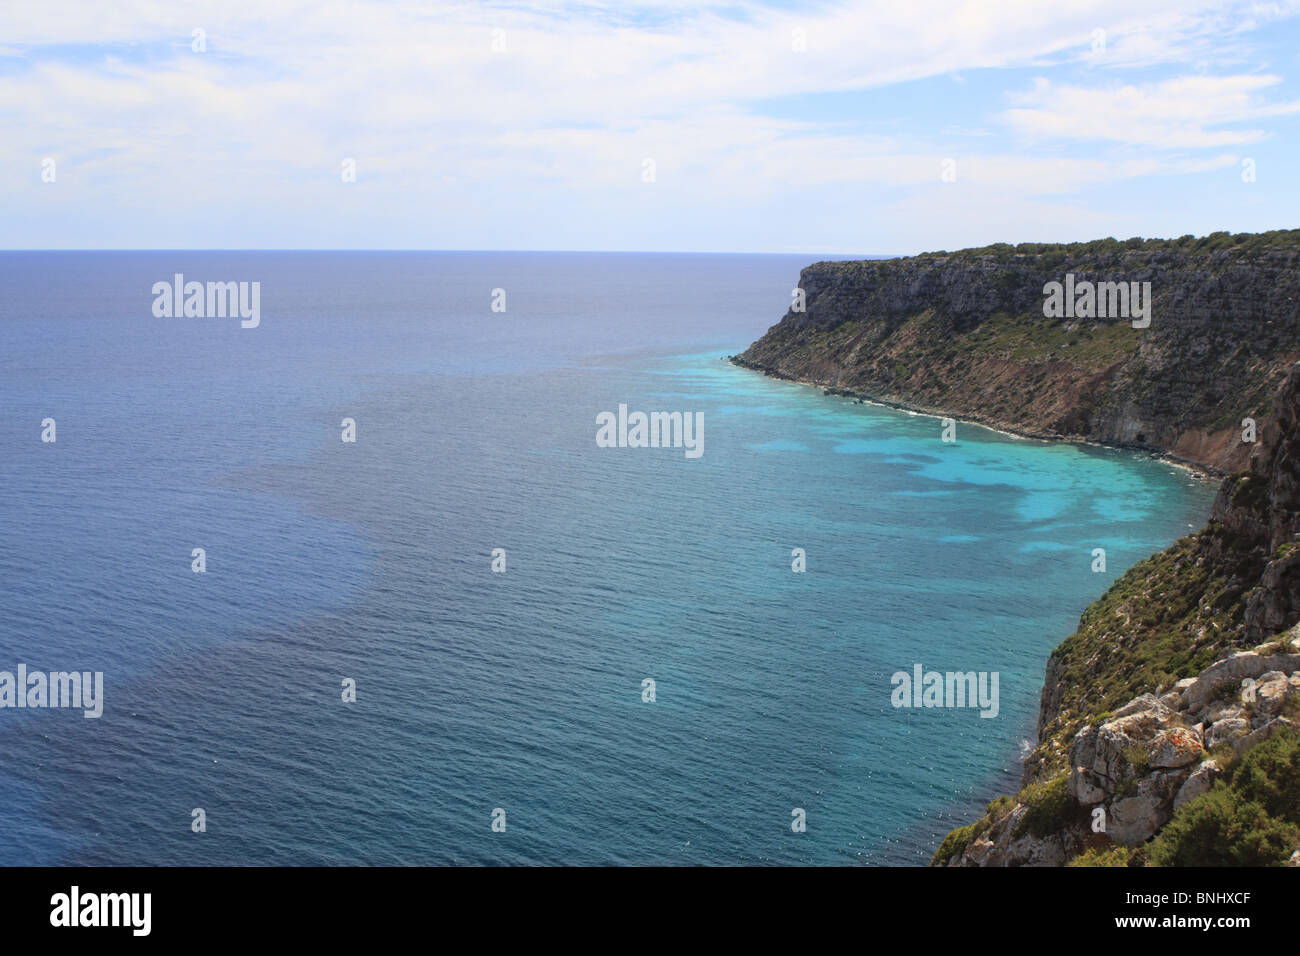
x=1177, y=113
x=414, y=92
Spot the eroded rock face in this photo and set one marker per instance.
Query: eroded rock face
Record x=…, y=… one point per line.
x=1231, y=671
x=1130, y=773
x=964, y=335
x=1265, y=505
x=1233, y=585
x=1131, y=820
x=1262, y=733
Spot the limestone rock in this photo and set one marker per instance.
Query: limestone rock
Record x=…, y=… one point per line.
x=1242, y=744
x=1133, y=820
x=1228, y=729
x=1177, y=747
x=1271, y=694
x=1084, y=788
x=1199, y=782
x=1233, y=670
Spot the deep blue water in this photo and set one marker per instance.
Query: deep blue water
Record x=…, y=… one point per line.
x=522, y=690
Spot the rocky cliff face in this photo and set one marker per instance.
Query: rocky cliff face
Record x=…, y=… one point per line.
x=1231, y=585
x=1165, y=684
x=964, y=334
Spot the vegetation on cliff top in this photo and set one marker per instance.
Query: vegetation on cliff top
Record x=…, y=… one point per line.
x=1284, y=239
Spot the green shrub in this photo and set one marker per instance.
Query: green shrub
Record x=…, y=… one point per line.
x=1225, y=691
x=955, y=843
x=1220, y=829
x=1102, y=856
x=1000, y=807
x=1224, y=754
x=1250, y=818
x=1138, y=758
x=1049, y=808
x=1269, y=774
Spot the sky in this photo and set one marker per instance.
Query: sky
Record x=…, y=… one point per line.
x=839, y=128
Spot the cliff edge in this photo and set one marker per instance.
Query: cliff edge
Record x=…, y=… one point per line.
x=964, y=334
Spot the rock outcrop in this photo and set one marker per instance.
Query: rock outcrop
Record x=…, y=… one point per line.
x=1131, y=771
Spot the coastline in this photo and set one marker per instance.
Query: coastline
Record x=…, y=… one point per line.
x=1197, y=469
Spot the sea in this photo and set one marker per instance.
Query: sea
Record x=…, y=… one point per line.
x=473, y=635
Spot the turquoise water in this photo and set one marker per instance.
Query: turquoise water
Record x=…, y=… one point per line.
x=522, y=690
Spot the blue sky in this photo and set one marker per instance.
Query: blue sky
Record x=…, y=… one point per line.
x=808, y=128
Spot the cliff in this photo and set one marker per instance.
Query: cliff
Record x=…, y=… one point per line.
x=1175, y=678
x=964, y=334
x=1169, y=725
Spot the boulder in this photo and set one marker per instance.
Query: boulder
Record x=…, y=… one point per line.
x=1133, y=820
x=1175, y=747
x=1271, y=694
x=1084, y=787
x=1083, y=749
x=977, y=853
x=1146, y=703
x=1172, y=700
x=1244, y=743
x=1114, y=749
x=1197, y=783
x=1228, y=729
x=1223, y=711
